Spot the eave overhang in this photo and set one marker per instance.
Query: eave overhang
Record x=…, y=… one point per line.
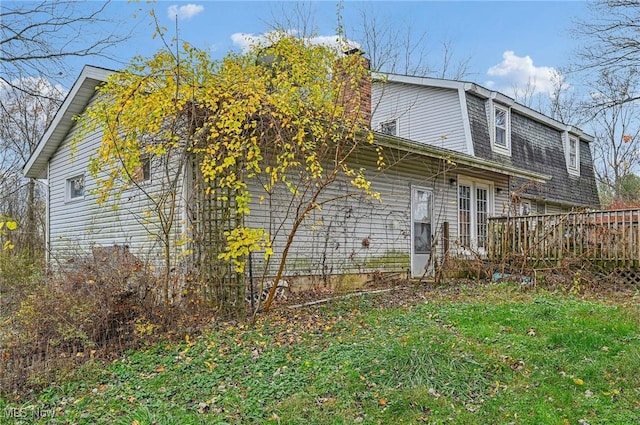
x=458, y=158
x=76, y=101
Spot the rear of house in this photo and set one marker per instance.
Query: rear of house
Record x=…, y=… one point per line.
x=516, y=160
x=457, y=154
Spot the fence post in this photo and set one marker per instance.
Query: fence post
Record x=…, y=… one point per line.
x=490, y=242
x=560, y=245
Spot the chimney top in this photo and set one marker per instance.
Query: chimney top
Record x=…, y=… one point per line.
x=354, y=51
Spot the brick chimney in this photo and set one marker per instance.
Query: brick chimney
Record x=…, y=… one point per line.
x=356, y=95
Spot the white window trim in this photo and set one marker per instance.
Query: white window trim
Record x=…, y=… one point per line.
x=394, y=121
x=572, y=169
x=67, y=188
x=525, y=208
x=492, y=128
x=474, y=184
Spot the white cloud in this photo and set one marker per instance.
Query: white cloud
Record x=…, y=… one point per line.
x=184, y=12
x=36, y=85
x=519, y=72
x=334, y=41
x=244, y=40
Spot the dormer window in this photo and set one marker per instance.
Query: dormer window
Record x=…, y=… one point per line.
x=572, y=151
x=389, y=127
x=501, y=131
x=501, y=127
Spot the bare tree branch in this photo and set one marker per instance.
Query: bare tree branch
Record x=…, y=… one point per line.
x=611, y=36
x=616, y=129
x=23, y=120
x=37, y=38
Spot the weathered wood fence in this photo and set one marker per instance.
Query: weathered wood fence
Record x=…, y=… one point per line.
x=604, y=240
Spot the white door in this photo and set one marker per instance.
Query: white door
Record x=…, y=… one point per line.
x=421, y=230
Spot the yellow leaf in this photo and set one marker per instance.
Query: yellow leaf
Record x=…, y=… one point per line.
x=578, y=381
x=12, y=225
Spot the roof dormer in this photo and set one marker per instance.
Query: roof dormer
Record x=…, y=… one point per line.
x=571, y=144
x=499, y=123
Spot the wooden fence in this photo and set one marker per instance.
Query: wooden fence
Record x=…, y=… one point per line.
x=606, y=240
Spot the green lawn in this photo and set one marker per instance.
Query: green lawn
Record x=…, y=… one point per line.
x=482, y=355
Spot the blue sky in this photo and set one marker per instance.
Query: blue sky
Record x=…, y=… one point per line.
x=506, y=42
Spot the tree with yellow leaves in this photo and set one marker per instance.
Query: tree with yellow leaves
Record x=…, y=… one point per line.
x=281, y=120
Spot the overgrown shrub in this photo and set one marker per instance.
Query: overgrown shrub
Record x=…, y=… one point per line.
x=96, y=309
x=19, y=276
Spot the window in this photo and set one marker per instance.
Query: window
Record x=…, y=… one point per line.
x=482, y=214
x=501, y=127
x=573, y=152
x=389, y=127
x=525, y=208
x=142, y=172
x=541, y=208
x=464, y=215
x=474, y=208
x=75, y=187
x=501, y=134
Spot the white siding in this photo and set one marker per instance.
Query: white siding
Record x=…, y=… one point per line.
x=76, y=226
x=330, y=241
x=430, y=115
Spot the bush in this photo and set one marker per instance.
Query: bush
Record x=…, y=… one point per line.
x=19, y=276
x=98, y=308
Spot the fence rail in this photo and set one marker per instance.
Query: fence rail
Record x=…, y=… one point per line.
x=602, y=238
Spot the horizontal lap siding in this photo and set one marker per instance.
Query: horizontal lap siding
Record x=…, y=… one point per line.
x=428, y=115
x=554, y=209
x=330, y=241
x=79, y=225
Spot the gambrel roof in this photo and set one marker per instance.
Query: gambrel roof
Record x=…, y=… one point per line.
x=485, y=93
x=460, y=116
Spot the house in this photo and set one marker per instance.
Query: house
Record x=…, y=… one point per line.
x=530, y=162
x=458, y=153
